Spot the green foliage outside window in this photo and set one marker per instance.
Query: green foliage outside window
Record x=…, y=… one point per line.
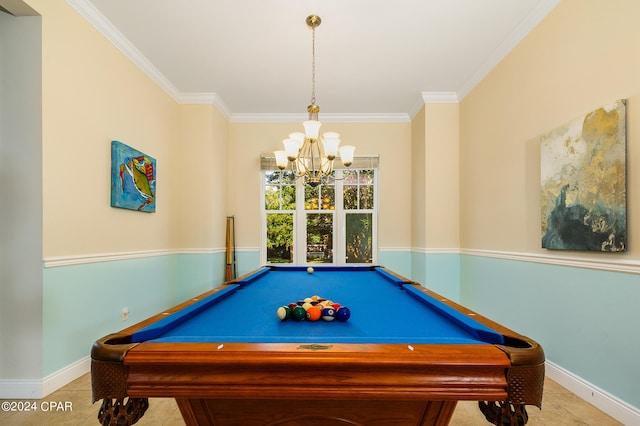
x=280, y=238
x=359, y=238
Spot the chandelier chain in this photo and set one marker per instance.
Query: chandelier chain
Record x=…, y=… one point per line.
x=313, y=66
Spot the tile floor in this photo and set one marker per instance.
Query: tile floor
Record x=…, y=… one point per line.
x=560, y=408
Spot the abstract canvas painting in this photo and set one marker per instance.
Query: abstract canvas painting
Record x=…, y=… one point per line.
x=133, y=179
x=583, y=181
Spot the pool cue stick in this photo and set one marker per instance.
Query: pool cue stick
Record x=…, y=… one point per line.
x=233, y=241
x=229, y=274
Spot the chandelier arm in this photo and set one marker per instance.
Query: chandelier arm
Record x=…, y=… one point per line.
x=312, y=154
x=298, y=168
x=322, y=156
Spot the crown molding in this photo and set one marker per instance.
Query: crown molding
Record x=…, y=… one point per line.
x=205, y=98
x=325, y=118
x=440, y=97
x=432, y=98
x=89, y=12
x=543, y=8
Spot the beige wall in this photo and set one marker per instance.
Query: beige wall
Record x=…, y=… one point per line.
x=435, y=153
x=418, y=183
x=582, y=56
x=441, y=164
x=392, y=141
x=92, y=94
x=198, y=185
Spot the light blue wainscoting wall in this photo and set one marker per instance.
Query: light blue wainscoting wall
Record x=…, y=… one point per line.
x=83, y=301
x=397, y=260
x=586, y=319
x=438, y=271
x=247, y=260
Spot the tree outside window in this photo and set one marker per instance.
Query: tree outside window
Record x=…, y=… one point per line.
x=330, y=223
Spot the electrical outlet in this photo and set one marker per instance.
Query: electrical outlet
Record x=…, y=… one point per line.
x=125, y=314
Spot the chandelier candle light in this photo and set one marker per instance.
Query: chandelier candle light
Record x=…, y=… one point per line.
x=307, y=155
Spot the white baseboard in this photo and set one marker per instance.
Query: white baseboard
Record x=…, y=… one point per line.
x=66, y=375
x=40, y=388
x=602, y=400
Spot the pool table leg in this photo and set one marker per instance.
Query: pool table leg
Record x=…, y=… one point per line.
x=503, y=413
x=123, y=411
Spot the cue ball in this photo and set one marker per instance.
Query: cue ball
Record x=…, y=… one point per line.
x=310, y=270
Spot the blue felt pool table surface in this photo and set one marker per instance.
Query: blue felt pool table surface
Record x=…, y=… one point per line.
x=384, y=309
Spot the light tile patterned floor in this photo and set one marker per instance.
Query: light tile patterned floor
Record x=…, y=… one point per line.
x=560, y=408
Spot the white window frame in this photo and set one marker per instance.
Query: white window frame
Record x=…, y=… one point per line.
x=339, y=222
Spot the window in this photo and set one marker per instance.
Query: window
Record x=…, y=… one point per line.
x=359, y=200
x=279, y=205
x=332, y=223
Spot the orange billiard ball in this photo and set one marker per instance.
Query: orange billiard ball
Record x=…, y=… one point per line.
x=314, y=313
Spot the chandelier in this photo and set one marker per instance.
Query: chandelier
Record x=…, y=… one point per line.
x=308, y=155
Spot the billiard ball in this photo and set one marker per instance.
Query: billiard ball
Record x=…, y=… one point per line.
x=343, y=313
x=328, y=314
x=283, y=313
x=298, y=313
x=314, y=313
x=310, y=270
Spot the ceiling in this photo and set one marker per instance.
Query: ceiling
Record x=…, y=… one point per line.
x=373, y=57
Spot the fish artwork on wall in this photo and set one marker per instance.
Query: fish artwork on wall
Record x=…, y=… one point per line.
x=583, y=182
x=133, y=179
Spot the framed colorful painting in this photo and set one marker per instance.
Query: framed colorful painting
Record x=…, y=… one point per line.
x=133, y=179
x=583, y=182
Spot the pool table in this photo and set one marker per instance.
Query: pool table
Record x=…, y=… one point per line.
x=404, y=357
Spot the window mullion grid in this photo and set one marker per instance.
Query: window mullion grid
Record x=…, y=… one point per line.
x=300, y=226
x=339, y=252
